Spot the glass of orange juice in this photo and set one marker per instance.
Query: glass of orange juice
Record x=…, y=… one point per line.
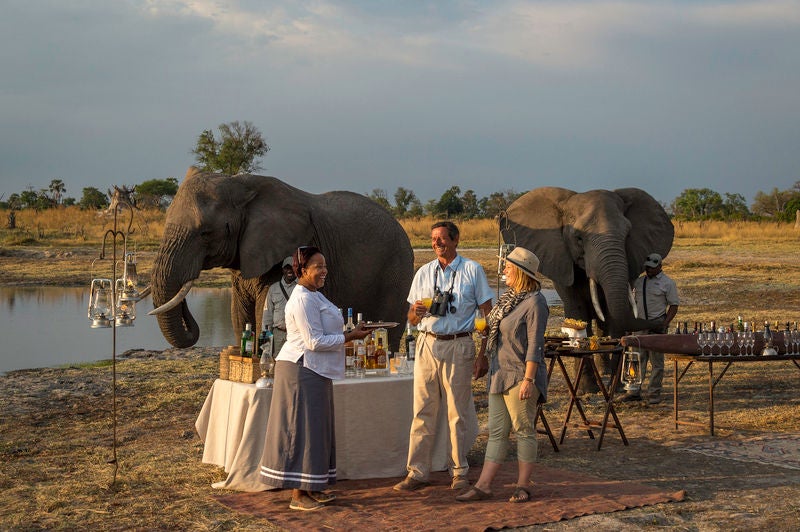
x=480, y=321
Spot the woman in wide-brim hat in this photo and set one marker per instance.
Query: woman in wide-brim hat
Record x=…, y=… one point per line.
x=517, y=378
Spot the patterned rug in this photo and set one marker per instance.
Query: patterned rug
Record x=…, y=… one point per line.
x=782, y=450
x=373, y=505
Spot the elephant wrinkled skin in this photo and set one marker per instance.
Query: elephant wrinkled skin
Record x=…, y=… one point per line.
x=599, y=235
x=250, y=223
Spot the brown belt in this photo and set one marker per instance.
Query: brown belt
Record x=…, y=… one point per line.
x=449, y=336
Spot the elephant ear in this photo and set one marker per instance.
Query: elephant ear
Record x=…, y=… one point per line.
x=651, y=228
x=276, y=221
x=535, y=221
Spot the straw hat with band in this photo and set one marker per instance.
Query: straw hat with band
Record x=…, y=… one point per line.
x=525, y=260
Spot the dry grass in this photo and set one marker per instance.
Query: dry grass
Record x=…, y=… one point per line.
x=55, y=431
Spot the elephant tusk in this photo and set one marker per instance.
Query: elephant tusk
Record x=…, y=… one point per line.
x=595, y=299
x=175, y=301
x=633, y=303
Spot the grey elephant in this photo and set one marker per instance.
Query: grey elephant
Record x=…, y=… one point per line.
x=250, y=223
x=592, y=245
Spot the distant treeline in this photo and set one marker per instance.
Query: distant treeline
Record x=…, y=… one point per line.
x=692, y=204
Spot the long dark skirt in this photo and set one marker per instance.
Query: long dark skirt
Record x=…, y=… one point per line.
x=300, y=449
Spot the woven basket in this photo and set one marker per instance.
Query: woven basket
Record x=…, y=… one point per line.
x=224, y=362
x=251, y=370
x=235, y=365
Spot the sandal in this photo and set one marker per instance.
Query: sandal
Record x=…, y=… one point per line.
x=322, y=496
x=520, y=495
x=474, y=494
x=305, y=504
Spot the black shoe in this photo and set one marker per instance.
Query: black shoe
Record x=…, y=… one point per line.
x=630, y=397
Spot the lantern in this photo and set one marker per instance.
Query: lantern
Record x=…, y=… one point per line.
x=100, y=303
x=130, y=285
x=632, y=371
x=125, y=309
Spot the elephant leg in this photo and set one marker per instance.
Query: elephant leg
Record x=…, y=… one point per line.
x=578, y=305
x=247, y=302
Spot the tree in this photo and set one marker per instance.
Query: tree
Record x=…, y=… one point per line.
x=156, y=192
x=403, y=200
x=235, y=152
x=93, y=199
x=770, y=205
x=697, y=204
x=470, y=203
x=734, y=207
x=498, y=202
x=57, y=189
x=379, y=196
x=450, y=204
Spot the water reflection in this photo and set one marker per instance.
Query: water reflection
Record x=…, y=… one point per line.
x=47, y=326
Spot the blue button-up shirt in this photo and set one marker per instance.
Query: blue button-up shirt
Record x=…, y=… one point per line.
x=470, y=289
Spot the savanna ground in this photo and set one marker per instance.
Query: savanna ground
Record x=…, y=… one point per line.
x=56, y=424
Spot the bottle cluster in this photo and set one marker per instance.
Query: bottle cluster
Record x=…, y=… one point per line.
x=371, y=355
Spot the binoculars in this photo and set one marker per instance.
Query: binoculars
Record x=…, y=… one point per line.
x=442, y=303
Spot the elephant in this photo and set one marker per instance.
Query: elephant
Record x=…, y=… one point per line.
x=250, y=223
x=592, y=245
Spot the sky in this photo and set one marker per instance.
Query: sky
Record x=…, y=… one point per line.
x=375, y=94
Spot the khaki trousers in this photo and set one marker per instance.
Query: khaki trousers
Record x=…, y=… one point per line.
x=442, y=379
x=507, y=411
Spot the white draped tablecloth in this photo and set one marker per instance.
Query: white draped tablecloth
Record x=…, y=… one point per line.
x=373, y=418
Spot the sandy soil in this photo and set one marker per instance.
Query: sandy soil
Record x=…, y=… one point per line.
x=55, y=428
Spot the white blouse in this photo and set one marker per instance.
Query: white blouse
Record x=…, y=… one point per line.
x=314, y=331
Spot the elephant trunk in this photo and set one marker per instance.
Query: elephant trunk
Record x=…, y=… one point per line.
x=610, y=273
x=172, y=270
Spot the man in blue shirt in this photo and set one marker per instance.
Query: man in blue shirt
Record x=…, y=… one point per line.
x=445, y=357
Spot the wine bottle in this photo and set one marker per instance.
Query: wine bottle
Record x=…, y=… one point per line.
x=349, y=347
x=739, y=324
x=411, y=342
x=685, y=327
x=246, y=349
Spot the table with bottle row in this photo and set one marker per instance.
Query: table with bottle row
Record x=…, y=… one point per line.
x=683, y=348
x=373, y=419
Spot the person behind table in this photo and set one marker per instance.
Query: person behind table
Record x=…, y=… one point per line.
x=445, y=356
x=656, y=299
x=300, y=453
x=275, y=305
x=517, y=378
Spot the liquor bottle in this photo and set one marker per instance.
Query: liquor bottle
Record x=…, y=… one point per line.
x=360, y=358
x=349, y=347
x=246, y=349
x=695, y=331
x=381, y=359
x=264, y=344
x=411, y=342
x=372, y=362
x=678, y=327
x=685, y=327
x=739, y=324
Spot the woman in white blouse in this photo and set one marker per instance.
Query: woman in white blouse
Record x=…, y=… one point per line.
x=300, y=450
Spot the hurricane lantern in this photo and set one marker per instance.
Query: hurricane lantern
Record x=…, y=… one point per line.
x=125, y=309
x=632, y=371
x=130, y=288
x=100, y=303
